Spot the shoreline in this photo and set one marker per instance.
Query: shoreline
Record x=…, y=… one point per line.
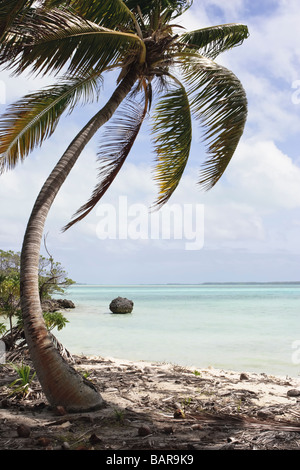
x=169, y=364
x=271, y=385
x=161, y=406
x=191, y=367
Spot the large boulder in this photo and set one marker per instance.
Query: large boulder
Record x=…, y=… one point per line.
x=121, y=305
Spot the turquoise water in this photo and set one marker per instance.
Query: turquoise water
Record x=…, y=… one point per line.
x=241, y=327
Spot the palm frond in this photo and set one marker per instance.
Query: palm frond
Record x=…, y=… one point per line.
x=219, y=102
x=148, y=7
x=10, y=11
x=15, y=15
x=56, y=38
x=172, y=136
x=107, y=13
x=214, y=40
x=115, y=146
x=32, y=119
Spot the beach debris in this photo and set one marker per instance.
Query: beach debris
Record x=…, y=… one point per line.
x=294, y=392
x=60, y=410
x=94, y=439
x=216, y=413
x=83, y=447
x=65, y=446
x=264, y=414
x=168, y=430
x=121, y=305
x=43, y=441
x=5, y=403
x=179, y=414
x=244, y=376
x=144, y=430
x=23, y=430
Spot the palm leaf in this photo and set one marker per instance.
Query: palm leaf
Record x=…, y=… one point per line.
x=107, y=13
x=14, y=16
x=214, y=40
x=172, y=136
x=116, y=144
x=219, y=102
x=57, y=37
x=148, y=7
x=29, y=121
x=10, y=11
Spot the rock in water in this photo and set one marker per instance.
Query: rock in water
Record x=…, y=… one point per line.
x=121, y=305
x=53, y=305
x=65, y=303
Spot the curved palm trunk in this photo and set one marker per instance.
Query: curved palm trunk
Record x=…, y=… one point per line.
x=60, y=382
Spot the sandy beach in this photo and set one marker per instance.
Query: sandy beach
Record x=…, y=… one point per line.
x=158, y=406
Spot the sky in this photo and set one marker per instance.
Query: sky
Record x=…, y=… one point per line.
x=247, y=228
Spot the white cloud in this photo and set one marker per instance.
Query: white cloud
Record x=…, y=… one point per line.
x=16, y=87
x=273, y=41
x=230, y=9
x=200, y=16
x=260, y=184
x=264, y=176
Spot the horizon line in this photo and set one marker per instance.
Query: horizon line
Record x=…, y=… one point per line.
x=188, y=283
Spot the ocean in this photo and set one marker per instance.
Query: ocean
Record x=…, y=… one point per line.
x=240, y=327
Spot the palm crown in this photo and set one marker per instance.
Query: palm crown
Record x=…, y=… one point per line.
x=175, y=70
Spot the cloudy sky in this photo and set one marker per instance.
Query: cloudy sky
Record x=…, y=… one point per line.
x=247, y=228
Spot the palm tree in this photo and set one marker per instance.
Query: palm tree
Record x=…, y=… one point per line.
x=159, y=65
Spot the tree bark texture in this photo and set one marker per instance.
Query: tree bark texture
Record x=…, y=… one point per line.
x=62, y=385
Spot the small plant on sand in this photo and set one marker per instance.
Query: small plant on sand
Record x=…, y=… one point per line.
x=239, y=405
x=197, y=373
x=85, y=374
x=2, y=329
x=21, y=386
x=186, y=404
x=119, y=415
